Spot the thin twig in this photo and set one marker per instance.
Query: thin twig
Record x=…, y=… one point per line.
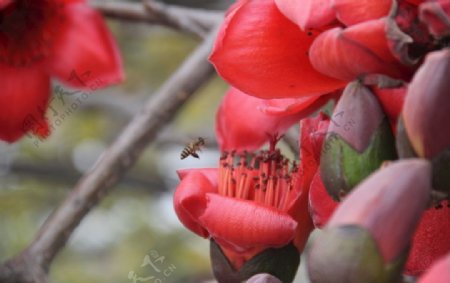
x=32, y=263
x=194, y=21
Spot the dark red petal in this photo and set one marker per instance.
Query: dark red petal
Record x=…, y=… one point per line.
x=355, y=51
x=85, y=54
x=261, y=52
x=307, y=13
x=415, y=2
x=321, y=204
x=245, y=122
x=350, y=12
x=436, y=15
x=4, y=3
x=431, y=240
x=246, y=224
x=439, y=272
x=391, y=100
x=189, y=201
x=24, y=96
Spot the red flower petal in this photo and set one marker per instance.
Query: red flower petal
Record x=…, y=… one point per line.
x=391, y=100
x=261, y=52
x=242, y=124
x=211, y=173
x=307, y=13
x=189, y=198
x=439, y=272
x=85, y=54
x=415, y=2
x=436, y=15
x=321, y=204
x=313, y=132
x=351, y=12
x=431, y=240
x=24, y=99
x=355, y=51
x=245, y=224
x=4, y=3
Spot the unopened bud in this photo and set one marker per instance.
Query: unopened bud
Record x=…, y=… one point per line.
x=426, y=112
x=359, y=139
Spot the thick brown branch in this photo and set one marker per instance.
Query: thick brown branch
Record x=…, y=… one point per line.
x=195, y=21
x=121, y=155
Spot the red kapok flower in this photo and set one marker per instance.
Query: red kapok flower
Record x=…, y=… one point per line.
x=253, y=201
x=40, y=39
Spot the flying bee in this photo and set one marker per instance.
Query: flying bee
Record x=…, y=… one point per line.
x=192, y=148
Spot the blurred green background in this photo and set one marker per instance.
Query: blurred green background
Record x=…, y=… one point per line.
x=136, y=219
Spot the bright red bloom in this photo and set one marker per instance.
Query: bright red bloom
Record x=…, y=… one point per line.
x=49, y=38
x=262, y=53
x=245, y=122
x=252, y=201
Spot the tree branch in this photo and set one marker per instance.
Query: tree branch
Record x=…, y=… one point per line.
x=194, y=21
x=33, y=262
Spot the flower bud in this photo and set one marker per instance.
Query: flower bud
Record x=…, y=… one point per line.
x=359, y=139
x=427, y=109
x=263, y=278
x=368, y=236
x=349, y=254
x=282, y=263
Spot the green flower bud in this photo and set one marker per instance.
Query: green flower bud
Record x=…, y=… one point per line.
x=359, y=139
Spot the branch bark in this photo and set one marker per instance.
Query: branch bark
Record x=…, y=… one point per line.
x=32, y=264
x=194, y=21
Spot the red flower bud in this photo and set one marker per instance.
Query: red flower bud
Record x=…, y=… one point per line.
x=427, y=107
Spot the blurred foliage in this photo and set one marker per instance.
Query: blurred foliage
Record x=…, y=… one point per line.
x=136, y=219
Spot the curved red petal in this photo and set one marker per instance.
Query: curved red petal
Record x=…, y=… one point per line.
x=431, y=240
x=439, y=272
x=313, y=132
x=85, y=54
x=261, y=52
x=321, y=204
x=245, y=122
x=290, y=106
x=24, y=96
x=391, y=100
x=246, y=224
x=351, y=12
x=211, y=173
x=307, y=13
x=189, y=201
x=355, y=51
x=4, y=3
x=436, y=15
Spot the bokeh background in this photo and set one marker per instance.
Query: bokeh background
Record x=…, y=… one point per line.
x=135, y=222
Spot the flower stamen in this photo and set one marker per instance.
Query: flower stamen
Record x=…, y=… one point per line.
x=266, y=177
